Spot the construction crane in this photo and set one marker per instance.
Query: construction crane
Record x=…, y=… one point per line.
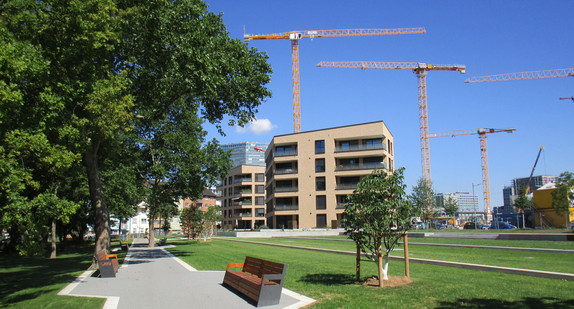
x=483, y=154
x=295, y=36
x=522, y=75
x=259, y=149
x=532, y=172
x=566, y=98
x=420, y=70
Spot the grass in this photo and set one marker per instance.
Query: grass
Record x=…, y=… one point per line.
x=33, y=282
x=558, y=262
x=329, y=278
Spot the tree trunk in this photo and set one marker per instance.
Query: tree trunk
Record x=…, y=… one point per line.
x=358, y=261
x=151, y=236
x=54, y=239
x=101, y=213
x=386, y=267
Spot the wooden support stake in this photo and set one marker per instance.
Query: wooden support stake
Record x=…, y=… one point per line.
x=407, y=270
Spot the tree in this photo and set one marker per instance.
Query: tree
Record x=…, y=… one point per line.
x=563, y=196
x=185, y=69
x=378, y=214
x=191, y=221
x=522, y=202
x=450, y=206
x=210, y=217
x=423, y=198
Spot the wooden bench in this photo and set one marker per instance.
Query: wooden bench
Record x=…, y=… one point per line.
x=108, y=264
x=259, y=280
x=124, y=245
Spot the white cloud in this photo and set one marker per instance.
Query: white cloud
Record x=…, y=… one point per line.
x=257, y=126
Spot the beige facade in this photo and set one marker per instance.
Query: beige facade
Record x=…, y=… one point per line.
x=309, y=174
x=243, y=197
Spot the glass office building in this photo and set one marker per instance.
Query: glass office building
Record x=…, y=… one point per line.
x=247, y=153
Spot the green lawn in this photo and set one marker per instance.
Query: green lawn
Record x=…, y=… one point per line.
x=329, y=278
x=558, y=262
x=34, y=282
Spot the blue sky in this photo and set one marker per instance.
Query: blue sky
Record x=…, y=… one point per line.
x=489, y=37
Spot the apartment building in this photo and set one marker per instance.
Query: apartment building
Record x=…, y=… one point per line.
x=310, y=174
x=243, y=197
x=208, y=199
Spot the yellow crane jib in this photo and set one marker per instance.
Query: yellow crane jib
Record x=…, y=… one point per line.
x=296, y=36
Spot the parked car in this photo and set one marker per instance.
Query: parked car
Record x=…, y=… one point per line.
x=471, y=226
x=501, y=225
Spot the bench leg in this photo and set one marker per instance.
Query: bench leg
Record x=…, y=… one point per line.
x=270, y=295
x=107, y=271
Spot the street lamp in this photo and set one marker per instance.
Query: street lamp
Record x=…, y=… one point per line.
x=474, y=202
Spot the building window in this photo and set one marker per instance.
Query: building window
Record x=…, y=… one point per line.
x=319, y=165
x=259, y=177
x=259, y=200
x=321, y=202
x=320, y=184
x=259, y=189
x=321, y=220
x=320, y=146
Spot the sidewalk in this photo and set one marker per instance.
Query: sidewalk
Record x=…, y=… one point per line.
x=154, y=278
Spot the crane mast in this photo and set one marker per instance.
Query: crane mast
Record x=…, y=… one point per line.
x=420, y=69
x=483, y=156
x=295, y=36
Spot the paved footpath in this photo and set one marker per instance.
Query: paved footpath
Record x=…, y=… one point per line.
x=154, y=278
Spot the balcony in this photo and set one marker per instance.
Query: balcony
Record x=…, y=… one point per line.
x=286, y=189
x=361, y=166
x=240, y=180
x=347, y=186
x=244, y=214
x=349, y=148
x=280, y=207
x=285, y=153
x=283, y=171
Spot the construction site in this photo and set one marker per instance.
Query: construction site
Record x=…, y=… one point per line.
x=540, y=214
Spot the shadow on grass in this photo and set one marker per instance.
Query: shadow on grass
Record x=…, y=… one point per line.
x=23, y=278
x=329, y=279
x=527, y=302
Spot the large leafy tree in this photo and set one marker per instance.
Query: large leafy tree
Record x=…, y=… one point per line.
x=185, y=69
x=563, y=196
x=378, y=214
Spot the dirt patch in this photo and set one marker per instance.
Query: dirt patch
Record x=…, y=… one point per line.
x=392, y=282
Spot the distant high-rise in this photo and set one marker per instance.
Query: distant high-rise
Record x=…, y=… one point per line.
x=466, y=202
x=535, y=183
x=247, y=153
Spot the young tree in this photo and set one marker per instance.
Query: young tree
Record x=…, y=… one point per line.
x=450, y=206
x=210, y=217
x=423, y=198
x=377, y=215
x=563, y=196
x=523, y=203
x=191, y=221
